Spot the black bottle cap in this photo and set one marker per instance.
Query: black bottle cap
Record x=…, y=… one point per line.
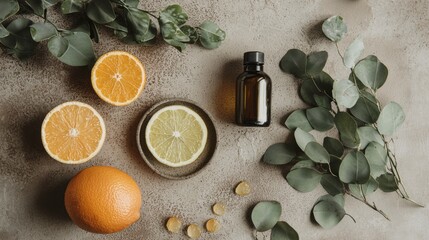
x=254, y=57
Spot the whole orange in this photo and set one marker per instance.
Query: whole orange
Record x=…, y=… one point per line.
x=103, y=199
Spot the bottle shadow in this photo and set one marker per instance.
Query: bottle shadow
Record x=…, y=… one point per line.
x=225, y=92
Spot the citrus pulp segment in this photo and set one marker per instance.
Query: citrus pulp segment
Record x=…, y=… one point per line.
x=118, y=78
x=73, y=132
x=176, y=135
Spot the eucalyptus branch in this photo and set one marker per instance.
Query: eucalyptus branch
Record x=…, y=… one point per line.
x=354, y=164
x=402, y=192
x=129, y=23
x=372, y=206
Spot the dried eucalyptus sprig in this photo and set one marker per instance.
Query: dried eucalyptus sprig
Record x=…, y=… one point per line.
x=74, y=46
x=360, y=161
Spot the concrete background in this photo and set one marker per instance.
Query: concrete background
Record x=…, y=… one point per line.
x=32, y=184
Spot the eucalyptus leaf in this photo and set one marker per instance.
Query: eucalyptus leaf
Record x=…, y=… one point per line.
x=307, y=92
x=367, y=188
x=332, y=184
x=172, y=31
x=320, y=119
x=346, y=93
x=58, y=45
x=387, y=183
x=74, y=49
x=294, y=62
x=334, y=28
x=124, y=37
x=315, y=91
x=315, y=63
x=173, y=35
x=36, y=6
x=322, y=101
x=324, y=82
x=302, y=138
x=300, y=156
x=173, y=14
x=279, y=153
x=100, y=11
x=177, y=44
x=334, y=164
x=83, y=27
x=366, y=108
x=358, y=83
x=339, y=198
x=117, y=25
x=347, y=128
x=298, y=119
x=141, y=25
x=120, y=30
x=359, y=123
x=72, y=6
x=93, y=31
x=39, y=6
x=265, y=215
x=333, y=146
x=283, y=231
x=211, y=36
x=371, y=72
x=303, y=164
x=391, y=118
x=8, y=8
x=42, y=31
x=354, y=168
x=353, y=52
x=376, y=155
x=304, y=179
x=191, y=32
x=3, y=31
x=328, y=213
x=368, y=134
x=49, y=3
x=131, y=3
x=317, y=153
x=322, y=92
x=18, y=42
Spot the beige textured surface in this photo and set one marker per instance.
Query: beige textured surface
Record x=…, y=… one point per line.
x=32, y=184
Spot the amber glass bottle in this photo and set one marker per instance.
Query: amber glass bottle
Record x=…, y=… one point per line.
x=253, y=93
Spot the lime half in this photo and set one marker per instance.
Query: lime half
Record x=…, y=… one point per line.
x=176, y=135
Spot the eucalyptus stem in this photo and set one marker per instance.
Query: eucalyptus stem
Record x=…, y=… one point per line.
x=362, y=193
x=151, y=14
x=402, y=192
x=324, y=92
x=354, y=220
x=373, y=206
x=45, y=15
x=338, y=51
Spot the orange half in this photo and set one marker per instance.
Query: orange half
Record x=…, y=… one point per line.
x=73, y=132
x=118, y=78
